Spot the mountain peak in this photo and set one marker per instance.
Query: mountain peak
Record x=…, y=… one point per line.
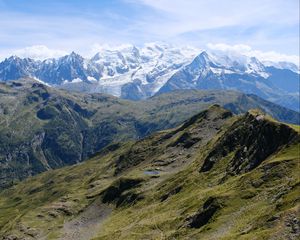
x=202, y=60
x=72, y=57
x=75, y=55
x=159, y=67
x=204, y=54
x=13, y=58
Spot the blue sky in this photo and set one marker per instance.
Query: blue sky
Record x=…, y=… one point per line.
x=58, y=26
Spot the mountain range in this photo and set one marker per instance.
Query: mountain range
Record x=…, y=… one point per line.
x=216, y=176
x=44, y=128
x=153, y=142
x=138, y=73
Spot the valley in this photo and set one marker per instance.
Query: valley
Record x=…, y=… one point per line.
x=216, y=176
x=149, y=120
x=45, y=128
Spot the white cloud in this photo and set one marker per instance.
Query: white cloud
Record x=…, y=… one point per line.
x=96, y=47
x=264, y=24
x=194, y=15
x=38, y=52
x=248, y=51
x=68, y=32
x=41, y=52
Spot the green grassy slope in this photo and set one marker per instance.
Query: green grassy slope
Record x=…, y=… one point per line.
x=217, y=176
x=43, y=128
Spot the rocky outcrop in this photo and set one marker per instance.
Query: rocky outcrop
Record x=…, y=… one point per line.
x=194, y=132
x=205, y=214
x=251, y=140
x=76, y=126
x=170, y=193
x=119, y=193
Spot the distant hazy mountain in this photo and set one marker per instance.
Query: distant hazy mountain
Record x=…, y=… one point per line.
x=136, y=73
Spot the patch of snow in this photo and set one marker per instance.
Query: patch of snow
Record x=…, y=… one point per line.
x=153, y=64
x=283, y=65
x=40, y=81
x=91, y=79
x=76, y=80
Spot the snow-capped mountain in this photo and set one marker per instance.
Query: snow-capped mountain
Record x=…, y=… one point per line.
x=117, y=71
x=219, y=72
x=70, y=68
x=15, y=67
x=283, y=65
x=140, y=72
x=240, y=73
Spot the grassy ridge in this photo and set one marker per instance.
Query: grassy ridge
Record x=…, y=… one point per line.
x=43, y=128
x=160, y=191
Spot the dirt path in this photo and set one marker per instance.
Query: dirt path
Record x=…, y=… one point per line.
x=87, y=223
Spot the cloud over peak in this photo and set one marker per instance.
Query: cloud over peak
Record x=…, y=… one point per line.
x=248, y=51
x=38, y=52
x=42, y=52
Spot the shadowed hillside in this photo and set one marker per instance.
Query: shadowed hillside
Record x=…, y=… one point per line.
x=44, y=128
